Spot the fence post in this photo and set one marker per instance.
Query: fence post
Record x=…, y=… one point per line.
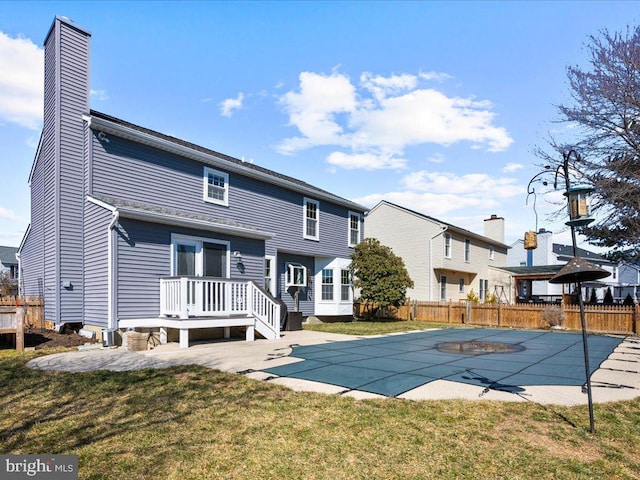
x=499, y=314
x=635, y=319
x=449, y=312
x=20, y=311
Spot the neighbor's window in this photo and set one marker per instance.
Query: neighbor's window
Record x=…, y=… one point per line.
x=447, y=245
x=443, y=287
x=461, y=285
x=484, y=288
x=345, y=285
x=467, y=250
x=311, y=219
x=492, y=253
x=216, y=186
x=327, y=284
x=354, y=229
x=296, y=275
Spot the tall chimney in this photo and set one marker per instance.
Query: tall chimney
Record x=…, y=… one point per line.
x=494, y=228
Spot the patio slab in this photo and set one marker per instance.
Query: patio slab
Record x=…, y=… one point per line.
x=616, y=376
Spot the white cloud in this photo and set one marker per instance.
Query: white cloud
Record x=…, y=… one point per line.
x=21, y=81
x=473, y=184
x=100, y=95
x=512, y=167
x=439, y=76
x=314, y=108
x=435, y=205
x=365, y=161
x=436, y=158
x=228, y=106
x=382, y=116
x=9, y=215
x=381, y=87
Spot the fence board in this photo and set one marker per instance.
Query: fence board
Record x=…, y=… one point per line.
x=34, y=319
x=612, y=319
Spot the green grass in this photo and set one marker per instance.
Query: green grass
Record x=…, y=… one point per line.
x=190, y=422
x=377, y=327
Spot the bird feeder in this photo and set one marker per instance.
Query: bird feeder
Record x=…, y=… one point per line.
x=579, y=203
x=530, y=240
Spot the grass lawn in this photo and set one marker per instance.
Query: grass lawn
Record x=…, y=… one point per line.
x=191, y=422
x=378, y=327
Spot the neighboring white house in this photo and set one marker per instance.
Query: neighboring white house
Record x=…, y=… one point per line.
x=445, y=262
x=547, y=257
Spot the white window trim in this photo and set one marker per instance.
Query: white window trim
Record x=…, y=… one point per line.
x=350, y=285
x=197, y=242
x=274, y=274
x=353, y=214
x=443, y=283
x=333, y=286
x=290, y=267
x=306, y=201
x=492, y=253
x=205, y=180
x=448, y=237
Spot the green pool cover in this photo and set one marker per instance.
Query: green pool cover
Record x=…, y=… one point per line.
x=496, y=359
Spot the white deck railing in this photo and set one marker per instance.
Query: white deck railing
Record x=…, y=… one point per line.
x=188, y=297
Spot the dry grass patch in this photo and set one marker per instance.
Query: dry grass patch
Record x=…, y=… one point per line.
x=190, y=422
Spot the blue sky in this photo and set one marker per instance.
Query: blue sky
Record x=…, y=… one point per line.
x=436, y=106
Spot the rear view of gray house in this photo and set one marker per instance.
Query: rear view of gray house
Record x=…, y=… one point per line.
x=133, y=228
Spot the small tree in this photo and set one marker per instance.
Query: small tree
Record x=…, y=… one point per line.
x=594, y=298
x=628, y=300
x=608, y=297
x=8, y=286
x=380, y=275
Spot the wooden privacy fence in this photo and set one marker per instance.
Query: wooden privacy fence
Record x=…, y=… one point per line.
x=34, y=317
x=12, y=323
x=614, y=319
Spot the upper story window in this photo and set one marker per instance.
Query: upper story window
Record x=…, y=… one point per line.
x=296, y=275
x=467, y=250
x=311, y=211
x=492, y=253
x=447, y=245
x=216, y=186
x=354, y=229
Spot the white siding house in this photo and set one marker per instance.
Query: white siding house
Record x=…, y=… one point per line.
x=445, y=262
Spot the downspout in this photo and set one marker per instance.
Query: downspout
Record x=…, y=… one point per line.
x=443, y=228
x=112, y=322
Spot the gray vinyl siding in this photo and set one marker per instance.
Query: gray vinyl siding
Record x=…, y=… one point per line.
x=31, y=256
x=306, y=300
x=96, y=258
x=144, y=256
x=49, y=155
x=74, y=97
x=152, y=176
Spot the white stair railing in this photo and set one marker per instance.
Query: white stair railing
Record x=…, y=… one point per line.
x=185, y=297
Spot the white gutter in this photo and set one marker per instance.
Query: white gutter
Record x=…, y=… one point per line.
x=443, y=228
x=112, y=321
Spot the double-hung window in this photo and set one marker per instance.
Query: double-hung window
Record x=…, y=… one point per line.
x=216, y=186
x=327, y=284
x=443, y=287
x=467, y=250
x=345, y=285
x=447, y=245
x=354, y=228
x=311, y=216
x=492, y=253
